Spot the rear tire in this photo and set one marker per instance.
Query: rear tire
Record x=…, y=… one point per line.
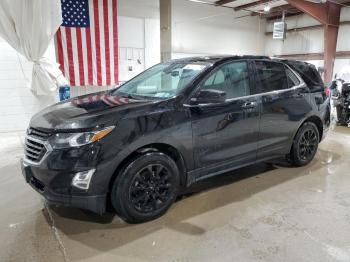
x=305, y=145
x=146, y=187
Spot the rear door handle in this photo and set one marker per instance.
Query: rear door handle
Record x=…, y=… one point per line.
x=249, y=105
x=297, y=95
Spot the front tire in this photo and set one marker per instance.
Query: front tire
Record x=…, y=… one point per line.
x=146, y=187
x=305, y=145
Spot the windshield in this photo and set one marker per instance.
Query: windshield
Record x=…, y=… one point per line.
x=161, y=81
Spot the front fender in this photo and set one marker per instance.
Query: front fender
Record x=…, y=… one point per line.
x=133, y=134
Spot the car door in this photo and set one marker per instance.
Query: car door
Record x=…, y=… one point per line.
x=226, y=134
x=284, y=103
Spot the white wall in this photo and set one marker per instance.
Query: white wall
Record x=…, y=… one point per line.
x=139, y=8
x=202, y=29
x=152, y=42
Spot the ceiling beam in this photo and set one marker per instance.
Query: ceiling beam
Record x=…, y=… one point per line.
x=279, y=16
x=321, y=12
x=281, y=8
x=277, y=12
x=224, y=2
x=250, y=5
x=312, y=56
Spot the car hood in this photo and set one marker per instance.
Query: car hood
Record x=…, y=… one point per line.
x=86, y=112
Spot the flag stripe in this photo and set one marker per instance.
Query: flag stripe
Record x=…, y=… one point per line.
x=70, y=56
x=75, y=55
x=85, y=56
x=90, y=56
x=80, y=57
x=97, y=43
x=93, y=42
x=102, y=42
x=115, y=40
x=106, y=35
x=110, y=37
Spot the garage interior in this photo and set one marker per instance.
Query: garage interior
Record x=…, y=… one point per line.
x=264, y=212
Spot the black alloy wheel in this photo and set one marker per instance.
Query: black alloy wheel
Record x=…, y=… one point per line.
x=150, y=188
x=308, y=144
x=305, y=145
x=145, y=187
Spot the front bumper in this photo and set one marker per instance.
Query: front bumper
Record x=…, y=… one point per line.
x=55, y=187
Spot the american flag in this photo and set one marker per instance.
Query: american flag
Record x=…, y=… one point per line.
x=87, y=42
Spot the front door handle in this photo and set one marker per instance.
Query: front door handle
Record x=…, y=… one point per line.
x=249, y=105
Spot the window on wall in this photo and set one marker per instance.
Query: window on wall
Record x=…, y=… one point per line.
x=272, y=76
x=232, y=78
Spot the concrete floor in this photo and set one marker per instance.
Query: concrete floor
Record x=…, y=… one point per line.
x=259, y=213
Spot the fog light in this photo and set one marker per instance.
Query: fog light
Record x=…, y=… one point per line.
x=82, y=179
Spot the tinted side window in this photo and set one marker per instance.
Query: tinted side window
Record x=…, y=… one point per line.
x=308, y=73
x=232, y=78
x=292, y=78
x=272, y=76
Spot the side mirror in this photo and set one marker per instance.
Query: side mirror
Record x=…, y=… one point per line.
x=209, y=96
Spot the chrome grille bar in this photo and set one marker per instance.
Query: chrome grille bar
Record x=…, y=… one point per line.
x=35, y=148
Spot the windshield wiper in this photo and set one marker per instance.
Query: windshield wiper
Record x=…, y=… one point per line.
x=136, y=97
x=133, y=96
x=130, y=96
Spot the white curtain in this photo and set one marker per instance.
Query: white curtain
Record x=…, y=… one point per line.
x=29, y=26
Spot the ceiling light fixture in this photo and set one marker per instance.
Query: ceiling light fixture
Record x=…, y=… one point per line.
x=267, y=8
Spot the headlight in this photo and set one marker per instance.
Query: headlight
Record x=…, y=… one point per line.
x=66, y=140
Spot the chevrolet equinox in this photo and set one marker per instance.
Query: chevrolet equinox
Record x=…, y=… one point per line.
x=134, y=147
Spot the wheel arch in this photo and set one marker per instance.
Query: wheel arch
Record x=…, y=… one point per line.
x=313, y=119
x=290, y=156
x=154, y=147
x=318, y=122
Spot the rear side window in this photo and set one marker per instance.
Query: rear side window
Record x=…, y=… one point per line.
x=232, y=78
x=307, y=71
x=272, y=76
x=292, y=78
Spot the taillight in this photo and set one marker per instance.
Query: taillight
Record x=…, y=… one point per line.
x=327, y=91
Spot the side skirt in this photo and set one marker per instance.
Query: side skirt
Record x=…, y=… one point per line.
x=207, y=172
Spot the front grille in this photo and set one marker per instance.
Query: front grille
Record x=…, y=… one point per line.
x=39, y=134
x=35, y=141
x=34, y=149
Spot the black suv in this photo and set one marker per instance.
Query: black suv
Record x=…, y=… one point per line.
x=134, y=147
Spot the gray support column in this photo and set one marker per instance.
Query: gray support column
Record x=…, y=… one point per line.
x=165, y=29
